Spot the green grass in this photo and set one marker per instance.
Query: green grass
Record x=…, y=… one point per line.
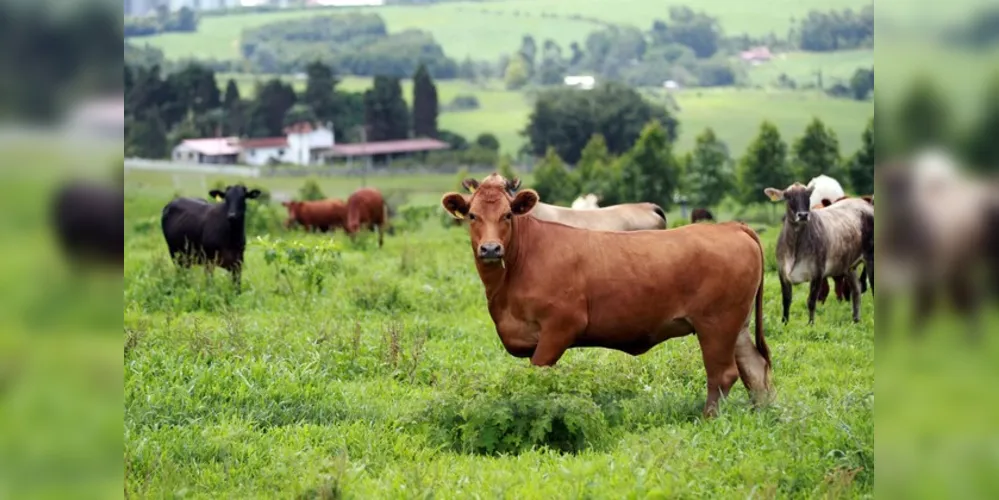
x=461, y=29
x=802, y=66
x=390, y=381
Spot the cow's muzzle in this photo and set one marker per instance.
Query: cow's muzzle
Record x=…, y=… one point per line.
x=490, y=252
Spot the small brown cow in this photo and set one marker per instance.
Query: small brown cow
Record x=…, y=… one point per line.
x=623, y=217
x=320, y=215
x=366, y=208
x=815, y=245
x=551, y=287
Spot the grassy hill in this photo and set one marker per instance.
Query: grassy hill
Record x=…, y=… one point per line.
x=486, y=30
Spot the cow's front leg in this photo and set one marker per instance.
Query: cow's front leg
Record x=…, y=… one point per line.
x=556, y=336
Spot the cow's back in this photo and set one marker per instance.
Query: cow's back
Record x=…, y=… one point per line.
x=842, y=232
x=626, y=217
x=185, y=220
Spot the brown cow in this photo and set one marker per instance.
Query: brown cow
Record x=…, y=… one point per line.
x=367, y=208
x=321, y=215
x=551, y=287
x=623, y=217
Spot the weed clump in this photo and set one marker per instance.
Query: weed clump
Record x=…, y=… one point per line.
x=519, y=409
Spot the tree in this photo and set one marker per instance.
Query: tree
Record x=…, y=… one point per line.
x=273, y=100
x=649, y=170
x=487, y=141
x=505, y=167
x=299, y=113
x=517, y=73
x=552, y=180
x=196, y=89
x=696, y=30
x=320, y=88
x=923, y=117
x=709, y=176
x=860, y=168
x=385, y=111
x=567, y=118
x=981, y=146
x=597, y=173
x=187, y=20
x=862, y=83
x=425, y=105
x=146, y=137
x=529, y=51
x=553, y=67
x=816, y=152
x=764, y=165
x=231, y=94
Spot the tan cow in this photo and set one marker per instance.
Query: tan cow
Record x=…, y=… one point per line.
x=551, y=287
x=623, y=217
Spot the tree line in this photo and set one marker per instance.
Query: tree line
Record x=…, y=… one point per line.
x=355, y=43
x=641, y=164
x=650, y=170
x=688, y=47
x=161, y=110
x=184, y=20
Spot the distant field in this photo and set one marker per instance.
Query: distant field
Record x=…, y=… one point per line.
x=802, y=67
x=735, y=114
x=461, y=29
x=735, y=16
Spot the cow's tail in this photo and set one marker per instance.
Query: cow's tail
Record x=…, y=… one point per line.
x=761, y=341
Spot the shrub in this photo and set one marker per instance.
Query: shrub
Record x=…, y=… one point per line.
x=310, y=191
x=463, y=102
x=301, y=267
x=524, y=407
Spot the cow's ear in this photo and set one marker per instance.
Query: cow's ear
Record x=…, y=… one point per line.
x=254, y=194
x=810, y=190
x=470, y=185
x=455, y=204
x=524, y=202
x=774, y=194
x=216, y=194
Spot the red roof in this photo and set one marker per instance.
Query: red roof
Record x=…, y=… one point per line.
x=388, y=147
x=266, y=142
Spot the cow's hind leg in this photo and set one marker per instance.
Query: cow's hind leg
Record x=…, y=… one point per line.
x=717, y=339
x=854, y=283
x=753, y=369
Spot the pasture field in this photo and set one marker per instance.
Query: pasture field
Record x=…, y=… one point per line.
x=734, y=113
x=461, y=29
x=802, y=67
x=347, y=371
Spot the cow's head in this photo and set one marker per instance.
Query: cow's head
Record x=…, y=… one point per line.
x=491, y=210
x=797, y=198
x=235, y=198
x=292, y=207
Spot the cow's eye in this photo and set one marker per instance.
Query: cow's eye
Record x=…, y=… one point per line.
x=471, y=216
x=508, y=216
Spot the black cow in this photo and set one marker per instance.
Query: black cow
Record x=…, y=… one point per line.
x=87, y=218
x=199, y=232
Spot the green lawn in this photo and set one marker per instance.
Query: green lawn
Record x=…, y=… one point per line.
x=387, y=380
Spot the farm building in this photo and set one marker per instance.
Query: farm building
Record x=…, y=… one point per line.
x=384, y=149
